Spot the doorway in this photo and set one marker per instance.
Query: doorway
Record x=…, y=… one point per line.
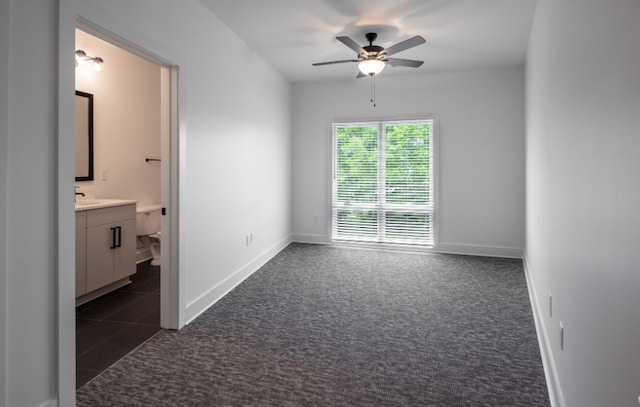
x=112, y=324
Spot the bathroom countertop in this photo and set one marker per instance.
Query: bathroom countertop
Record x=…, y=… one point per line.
x=88, y=204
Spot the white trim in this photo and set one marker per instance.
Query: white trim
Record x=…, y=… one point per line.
x=435, y=176
x=479, y=250
x=170, y=289
x=206, y=300
x=5, y=32
x=310, y=238
x=550, y=371
x=446, y=248
x=51, y=403
x=171, y=282
x=328, y=209
x=381, y=206
x=83, y=299
x=65, y=290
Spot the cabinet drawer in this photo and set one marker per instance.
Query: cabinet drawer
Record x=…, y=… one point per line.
x=96, y=217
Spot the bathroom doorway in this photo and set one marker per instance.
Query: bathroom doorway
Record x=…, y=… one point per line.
x=141, y=166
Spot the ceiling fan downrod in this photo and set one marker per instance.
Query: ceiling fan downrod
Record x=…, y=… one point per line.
x=371, y=37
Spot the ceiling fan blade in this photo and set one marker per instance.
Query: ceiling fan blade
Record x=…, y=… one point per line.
x=335, y=62
x=360, y=75
x=351, y=44
x=406, y=44
x=403, y=62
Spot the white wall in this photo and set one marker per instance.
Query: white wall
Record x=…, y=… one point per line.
x=583, y=194
x=480, y=130
x=31, y=204
x=126, y=122
x=4, y=127
x=225, y=192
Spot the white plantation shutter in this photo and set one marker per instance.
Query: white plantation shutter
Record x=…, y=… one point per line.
x=382, y=182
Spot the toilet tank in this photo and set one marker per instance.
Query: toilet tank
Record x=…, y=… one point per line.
x=147, y=219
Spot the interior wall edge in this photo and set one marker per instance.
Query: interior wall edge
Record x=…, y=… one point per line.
x=550, y=371
x=205, y=301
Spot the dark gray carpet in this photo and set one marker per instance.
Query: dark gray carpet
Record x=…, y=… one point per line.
x=322, y=326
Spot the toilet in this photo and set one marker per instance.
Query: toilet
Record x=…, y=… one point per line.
x=148, y=224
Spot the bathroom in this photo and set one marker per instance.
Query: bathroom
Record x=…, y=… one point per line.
x=126, y=94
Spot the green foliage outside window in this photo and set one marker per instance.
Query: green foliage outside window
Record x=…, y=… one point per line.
x=357, y=164
x=407, y=165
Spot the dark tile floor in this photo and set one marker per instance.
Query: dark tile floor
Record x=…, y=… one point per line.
x=111, y=326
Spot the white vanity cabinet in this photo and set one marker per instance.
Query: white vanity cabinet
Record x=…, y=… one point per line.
x=111, y=245
x=106, y=256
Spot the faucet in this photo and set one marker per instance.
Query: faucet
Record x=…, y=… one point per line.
x=78, y=193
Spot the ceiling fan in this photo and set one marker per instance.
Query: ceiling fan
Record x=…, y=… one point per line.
x=373, y=58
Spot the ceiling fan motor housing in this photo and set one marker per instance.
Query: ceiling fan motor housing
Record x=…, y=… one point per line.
x=373, y=51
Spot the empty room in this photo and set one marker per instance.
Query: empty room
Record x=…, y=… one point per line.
x=358, y=203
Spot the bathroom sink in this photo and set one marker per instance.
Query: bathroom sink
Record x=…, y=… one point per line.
x=90, y=203
x=85, y=202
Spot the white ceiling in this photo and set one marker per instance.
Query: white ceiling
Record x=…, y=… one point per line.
x=460, y=34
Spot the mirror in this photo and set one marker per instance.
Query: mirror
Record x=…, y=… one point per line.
x=84, y=136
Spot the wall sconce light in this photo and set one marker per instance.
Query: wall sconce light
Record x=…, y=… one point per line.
x=82, y=57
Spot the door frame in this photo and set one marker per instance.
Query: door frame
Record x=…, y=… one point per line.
x=169, y=171
x=172, y=280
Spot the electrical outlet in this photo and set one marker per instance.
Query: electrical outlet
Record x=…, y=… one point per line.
x=104, y=175
x=561, y=336
x=251, y=237
x=550, y=305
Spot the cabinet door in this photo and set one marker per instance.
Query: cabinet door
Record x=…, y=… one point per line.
x=100, y=256
x=124, y=257
x=81, y=258
x=81, y=278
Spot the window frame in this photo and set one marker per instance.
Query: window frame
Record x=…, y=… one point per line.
x=383, y=208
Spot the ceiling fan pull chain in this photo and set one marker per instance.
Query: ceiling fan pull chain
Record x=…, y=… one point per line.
x=373, y=90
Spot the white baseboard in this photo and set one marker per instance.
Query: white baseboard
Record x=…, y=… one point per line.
x=206, y=300
x=310, y=238
x=447, y=248
x=479, y=250
x=85, y=298
x=50, y=403
x=550, y=371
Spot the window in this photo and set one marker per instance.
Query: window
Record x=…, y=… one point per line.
x=383, y=182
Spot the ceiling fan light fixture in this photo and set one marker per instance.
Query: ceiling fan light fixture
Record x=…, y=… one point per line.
x=371, y=66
